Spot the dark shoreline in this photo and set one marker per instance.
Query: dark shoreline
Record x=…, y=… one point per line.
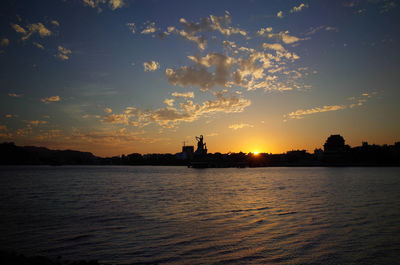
x=342, y=156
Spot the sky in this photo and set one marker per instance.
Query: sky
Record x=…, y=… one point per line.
x=116, y=77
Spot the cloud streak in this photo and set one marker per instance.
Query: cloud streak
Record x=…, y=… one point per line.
x=51, y=99
x=238, y=126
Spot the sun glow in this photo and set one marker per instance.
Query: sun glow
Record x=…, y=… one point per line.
x=256, y=152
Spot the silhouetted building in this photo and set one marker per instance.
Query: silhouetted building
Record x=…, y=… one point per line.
x=187, y=152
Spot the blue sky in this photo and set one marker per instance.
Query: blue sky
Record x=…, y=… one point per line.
x=120, y=76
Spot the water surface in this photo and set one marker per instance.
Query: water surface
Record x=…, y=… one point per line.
x=179, y=215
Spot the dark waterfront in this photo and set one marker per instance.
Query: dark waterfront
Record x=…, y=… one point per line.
x=179, y=215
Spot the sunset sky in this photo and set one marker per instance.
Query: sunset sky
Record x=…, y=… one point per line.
x=117, y=76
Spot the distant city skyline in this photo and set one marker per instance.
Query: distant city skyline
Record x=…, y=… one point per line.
x=116, y=77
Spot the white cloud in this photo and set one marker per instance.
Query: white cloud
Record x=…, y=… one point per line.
x=183, y=95
x=239, y=126
x=151, y=66
x=298, y=8
x=279, y=14
x=108, y=110
x=50, y=99
x=63, y=53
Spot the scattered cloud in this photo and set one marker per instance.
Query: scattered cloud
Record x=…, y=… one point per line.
x=9, y=116
x=183, y=95
x=31, y=29
x=48, y=134
x=193, y=31
x=239, y=126
x=264, y=31
x=112, y=4
x=40, y=46
x=120, y=136
x=298, y=8
x=23, y=132
x=150, y=28
x=357, y=102
x=187, y=111
x=279, y=14
x=63, y=53
x=14, y=95
x=200, y=41
x=151, y=66
x=242, y=66
x=50, y=99
x=19, y=29
x=108, y=110
x=221, y=24
x=4, y=42
x=283, y=36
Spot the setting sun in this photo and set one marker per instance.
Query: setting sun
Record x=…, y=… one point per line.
x=256, y=152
